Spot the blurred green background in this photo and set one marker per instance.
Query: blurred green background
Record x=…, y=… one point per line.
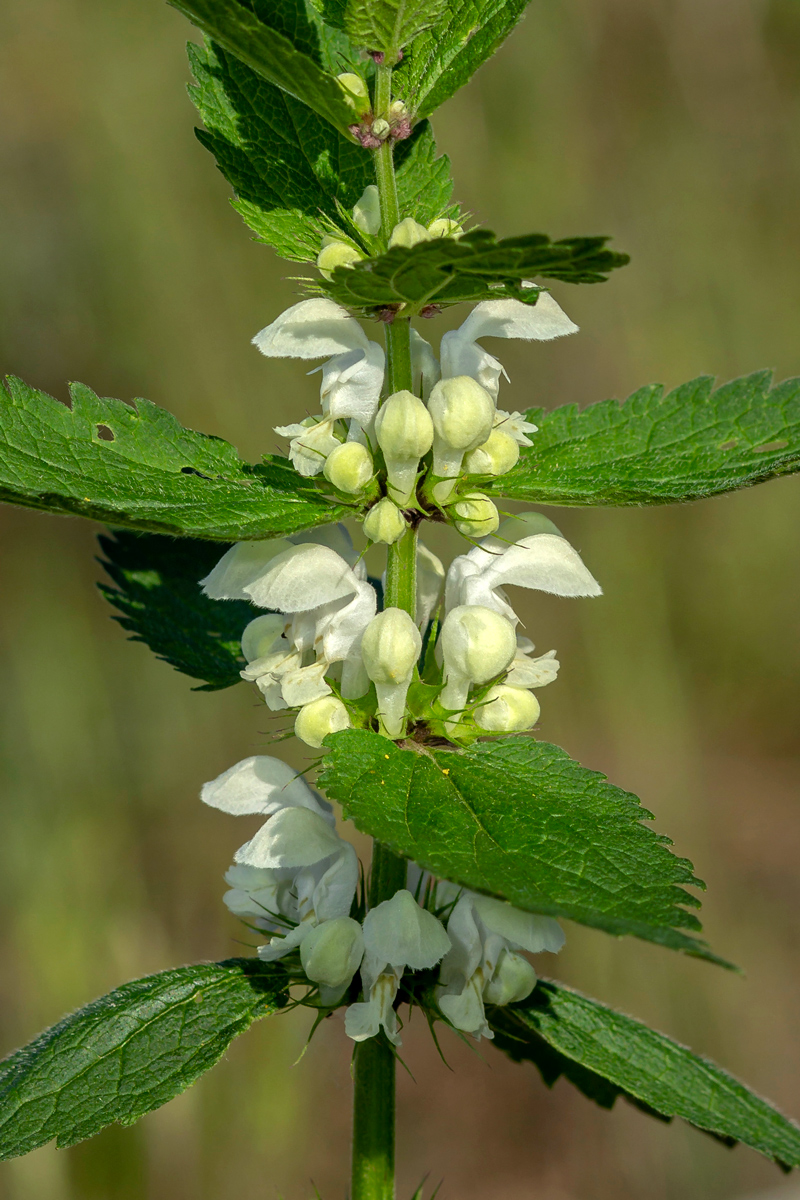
x=671, y=125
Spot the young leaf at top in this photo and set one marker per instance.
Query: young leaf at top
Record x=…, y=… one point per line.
x=159, y=595
x=139, y=468
x=291, y=170
x=521, y=820
x=443, y=59
x=131, y=1051
x=266, y=48
x=656, y=449
x=387, y=26
x=606, y=1054
x=471, y=268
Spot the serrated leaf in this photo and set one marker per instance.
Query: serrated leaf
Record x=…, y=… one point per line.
x=471, y=268
x=443, y=59
x=606, y=1054
x=521, y=820
x=269, y=52
x=656, y=449
x=289, y=169
x=151, y=475
x=158, y=593
x=387, y=26
x=131, y=1051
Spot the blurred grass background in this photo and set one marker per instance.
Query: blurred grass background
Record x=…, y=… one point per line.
x=673, y=126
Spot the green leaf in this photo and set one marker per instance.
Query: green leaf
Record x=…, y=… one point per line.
x=606, y=1054
x=139, y=468
x=388, y=26
x=158, y=593
x=289, y=169
x=657, y=449
x=131, y=1051
x=444, y=59
x=474, y=267
x=521, y=820
x=267, y=49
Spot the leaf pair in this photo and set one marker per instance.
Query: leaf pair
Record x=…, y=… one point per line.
x=146, y=1042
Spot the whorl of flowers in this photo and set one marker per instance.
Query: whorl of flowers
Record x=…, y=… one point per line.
x=327, y=652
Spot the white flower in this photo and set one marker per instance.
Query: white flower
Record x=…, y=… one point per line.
x=310, y=443
x=461, y=354
x=430, y=578
x=331, y=953
x=353, y=376
x=390, y=648
x=397, y=934
x=528, y=672
x=477, y=644
x=507, y=709
x=424, y=365
x=463, y=415
x=543, y=561
x=515, y=425
x=263, y=785
x=483, y=964
x=404, y=430
x=301, y=845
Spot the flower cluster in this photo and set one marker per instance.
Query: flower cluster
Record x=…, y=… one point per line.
x=298, y=880
x=328, y=653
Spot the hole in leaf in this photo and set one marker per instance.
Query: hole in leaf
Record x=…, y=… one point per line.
x=780, y=444
x=729, y=445
x=105, y=434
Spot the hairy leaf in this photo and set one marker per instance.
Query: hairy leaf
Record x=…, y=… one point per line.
x=521, y=820
x=289, y=169
x=139, y=468
x=389, y=25
x=271, y=53
x=657, y=449
x=443, y=59
x=606, y=1054
x=158, y=593
x=474, y=267
x=131, y=1051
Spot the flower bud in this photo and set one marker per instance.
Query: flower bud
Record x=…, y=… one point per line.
x=319, y=718
x=513, y=980
x=477, y=644
x=356, y=92
x=409, y=233
x=367, y=211
x=404, y=430
x=506, y=709
x=475, y=515
x=384, y=522
x=463, y=414
x=336, y=254
x=444, y=227
x=349, y=467
x=398, y=109
x=389, y=649
x=498, y=454
x=331, y=953
x=260, y=635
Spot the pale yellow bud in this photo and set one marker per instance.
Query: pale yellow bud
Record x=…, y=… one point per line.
x=381, y=128
x=409, y=233
x=475, y=515
x=331, y=953
x=404, y=430
x=336, y=254
x=513, y=980
x=349, y=467
x=444, y=227
x=319, y=718
x=356, y=92
x=507, y=709
x=384, y=522
x=463, y=415
x=367, y=211
x=398, y=109
x=389, y=649
x=498, y=454
x=477, y=645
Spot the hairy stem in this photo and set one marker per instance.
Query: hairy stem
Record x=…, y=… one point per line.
x=373, y=1062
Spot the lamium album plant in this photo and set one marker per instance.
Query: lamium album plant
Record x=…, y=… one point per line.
x=416, y=689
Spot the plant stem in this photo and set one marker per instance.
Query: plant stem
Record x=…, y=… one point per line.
x=374, y=1060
